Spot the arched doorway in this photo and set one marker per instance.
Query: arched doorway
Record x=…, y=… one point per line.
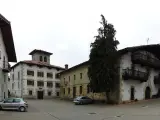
x=147, y=93
x=132, y=93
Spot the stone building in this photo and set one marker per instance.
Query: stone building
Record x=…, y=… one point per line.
x=35, y=78
x=139, y=76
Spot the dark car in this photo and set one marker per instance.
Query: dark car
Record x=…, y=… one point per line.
x=83, y=100
x=14, y=104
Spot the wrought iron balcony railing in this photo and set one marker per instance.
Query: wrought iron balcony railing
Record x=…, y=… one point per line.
x=130, y=74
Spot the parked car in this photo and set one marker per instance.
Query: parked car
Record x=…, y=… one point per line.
x=83, y=100
x=14, y=104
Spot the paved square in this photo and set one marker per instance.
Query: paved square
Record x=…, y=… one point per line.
x=64, y=110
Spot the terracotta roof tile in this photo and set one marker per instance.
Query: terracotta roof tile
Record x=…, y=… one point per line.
x=38, y=63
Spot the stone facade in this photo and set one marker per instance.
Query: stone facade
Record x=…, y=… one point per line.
x=29, y=79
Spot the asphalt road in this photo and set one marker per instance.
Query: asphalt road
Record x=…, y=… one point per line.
x=64, y=110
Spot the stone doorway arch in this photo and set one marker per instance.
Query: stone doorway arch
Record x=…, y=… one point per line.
x=148, y=93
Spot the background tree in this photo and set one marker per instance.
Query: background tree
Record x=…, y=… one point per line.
x=102, y=70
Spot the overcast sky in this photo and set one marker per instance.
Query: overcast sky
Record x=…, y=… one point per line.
x=67, y=27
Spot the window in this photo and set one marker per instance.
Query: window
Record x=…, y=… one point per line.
x=88, y=88
x=45, y=59
x=29, y=72
x=57, y=93
x=40, y=58
x=40, y=83
x=30, y=92
x=16, y=100
x=9, y=100
x=4, y=78
x=18, y=75
x=74, y=77
x=57, y=85
x=40, y=74
x=18, y=84
x=80, y=75
x=68, y=90
x=57, y=76
x=30, y=82
x=49, y=93
x=80, y=90
x=49, y=75
x=12, y=85
x=69, y=78
x=13, y=76
x=64, y=91
x=49, y=84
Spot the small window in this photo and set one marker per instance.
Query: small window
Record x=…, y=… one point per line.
x=45, y=59
x=80, y=75
x=80, y=90
x=12, y=85
x=18, y=84
x=74, y=77
x=49, y=75
x=30, y=92
x=49, y=84
x=64, y=91
x=30, y=82
x=69, y=78
x=57, y=76
x=57, y=85
x=40, y=74
x=68, y=90
x=49, y=93
x=40, y=83
x=13, y=76
x=40, y=58
x=18, y=75
x=88, y=88
x=29, y=72
x=57, y=93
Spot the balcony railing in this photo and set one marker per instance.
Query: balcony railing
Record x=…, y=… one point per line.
x=6, y=66
x=134, y=75
x=145, y=60
x=157, y=79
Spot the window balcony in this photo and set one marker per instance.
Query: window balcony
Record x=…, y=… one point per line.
x=6, y=67
x=130, y=74
x=145, y=60
x=157, y=79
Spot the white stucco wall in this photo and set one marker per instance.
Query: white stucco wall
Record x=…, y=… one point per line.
x=24, y=89
x=36, y=57
x=3, y=83
x=139, y=87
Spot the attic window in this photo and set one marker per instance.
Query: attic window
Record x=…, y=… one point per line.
x=45, y=59
x=40, y=58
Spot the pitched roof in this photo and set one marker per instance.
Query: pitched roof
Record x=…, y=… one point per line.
x=8, y=39
x=39, y=51
x=153, y=48
x=76, y=66
x=38, y=63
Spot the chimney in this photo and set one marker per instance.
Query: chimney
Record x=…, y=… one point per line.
x=66, y=66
